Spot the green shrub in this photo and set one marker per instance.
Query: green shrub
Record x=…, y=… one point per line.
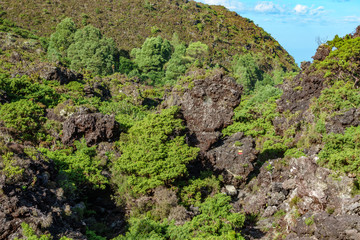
x=153, y=153
x=152, y=55
x=197, y=52
x=80, y=166
x=125, y=113
x=342, y=151
x=125, y=65
x=23, y=116
x=215, y=221
x=144, y=229
x=23, y=87
x=10, y=170
x=196, y=190
x=344, y=58
x=29, y=234
x=246, y=71
x=177, y=65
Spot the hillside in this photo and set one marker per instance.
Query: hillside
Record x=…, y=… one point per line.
x=129, y=23
x=149, y=138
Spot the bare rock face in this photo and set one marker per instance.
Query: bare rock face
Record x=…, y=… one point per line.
x=298, y=92
x=321, y=53
x=300, y=190
x=33, y=196
x=234, y=158
x=59, y=73
x=340, y=122
x=325, y=226
x=94, y=127
x=208, y=106
x=49, y=72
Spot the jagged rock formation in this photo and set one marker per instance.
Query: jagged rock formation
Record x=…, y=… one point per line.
x=207, y=107
x=49, y=72
x=59, y=73
x=234, y=158
x=299, y=91
x=301, y=187
x=34, y=197
x=339, y=123
x=94, y=127
x=321, y=53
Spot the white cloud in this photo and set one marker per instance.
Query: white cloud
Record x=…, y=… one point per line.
x=229, y=4
x=352, y=19
x=317, y=10
x=267, y=7
x=301, y=9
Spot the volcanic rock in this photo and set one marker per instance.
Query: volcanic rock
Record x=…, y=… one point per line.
x=94, y=127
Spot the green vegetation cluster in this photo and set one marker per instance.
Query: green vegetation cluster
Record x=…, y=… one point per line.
x=152, y=152
x=215, y=221
x=157, y=62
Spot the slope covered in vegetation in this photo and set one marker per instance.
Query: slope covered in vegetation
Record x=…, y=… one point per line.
x=129, y=23
x=164, y=134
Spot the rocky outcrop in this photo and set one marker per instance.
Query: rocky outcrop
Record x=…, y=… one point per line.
x=339, y=123
x=58, y=73
x=94, y=127
x=321, y=53
x=97, y=89
x=325, y=226
x=234, y=158
x=207, y=106
x=49, y=72
x=33, y=196
x=286, y=192
x=299, y=91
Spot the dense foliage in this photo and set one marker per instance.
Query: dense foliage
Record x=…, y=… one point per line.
x=154, y=153
x=215, y=221
x=152, y=169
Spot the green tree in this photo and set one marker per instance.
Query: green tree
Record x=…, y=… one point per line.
x=177, y=65
x=197, y=52
x=92, y=51
x=125, y=65
x=152, y=55
x=61, y=39
x=246, y=71
x=153, y=154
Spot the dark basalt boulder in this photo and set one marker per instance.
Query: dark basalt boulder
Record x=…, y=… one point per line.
x=97, y=89
x=59, y=73
x=33, y=196
x=299, y=91
x=94, y=127
x=50, y=72
x=321, y=53
x=339, y=123
x=325, y=226
x=234, y=158
x=207, y=106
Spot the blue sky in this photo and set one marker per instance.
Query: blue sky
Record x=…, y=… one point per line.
x=298, y=25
